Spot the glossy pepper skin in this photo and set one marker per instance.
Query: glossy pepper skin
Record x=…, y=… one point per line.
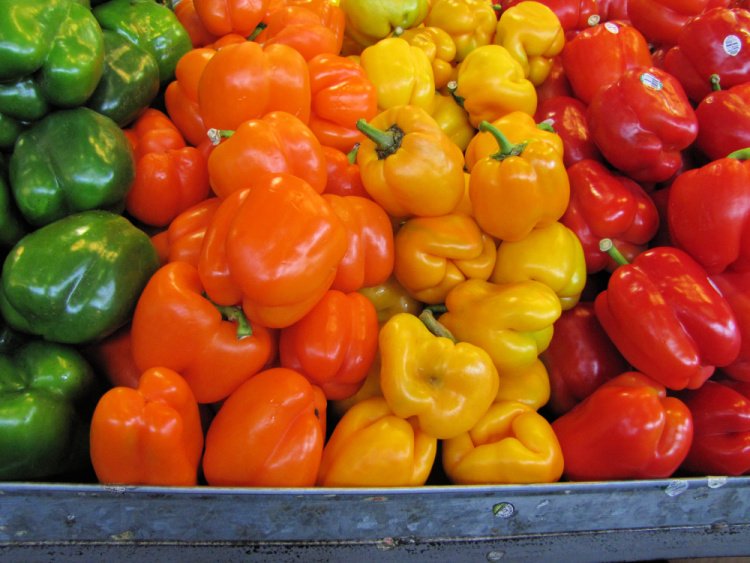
x=434, y=254
x=627, y=429
x=604, y=204
x=652, y=123
x=276, y=143
x=213, y=348
x=721, y=439
x=46, y=164
x=439, y=48
x=574, y=15
x=391, y=298
x=529, y=385
x=191, y=21
x=662, y=21
x=372, y=447
x=268, y=433
x=150, y=435
x=368, y=22
x=409, y=165
x=567, y=116
x=513, y=322
x=735, y=288
x=471, y=23
x=667, y=319
x=45, y=389
x=221, y=17
x=181, y=95
x=511, y=443
x=77, y=279
x=12, y=224
x=274, y=248
x=343, y=177
x=446, y=386
x=452, y=119
x=57, y=45
x=182, y=240
x=724, y=121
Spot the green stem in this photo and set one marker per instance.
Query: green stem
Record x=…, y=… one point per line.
x=434, y=326
x=235, y=313
x=606, y=245
x=715, y=83
x=351, y=156
x=387, y=142
x=216, y=135
x=452, y=86
x=437, y=309
x=740, y=154
x=545, y=126
x=257, y=31
x=506, y=147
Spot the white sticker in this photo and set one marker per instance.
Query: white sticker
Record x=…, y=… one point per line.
x=593, y=20
x=732, y=45
x=612, y=27
x=650, y=81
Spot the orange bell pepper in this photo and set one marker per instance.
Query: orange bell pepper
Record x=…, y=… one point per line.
x=113, y=358
x=181, y=95
x=274, y=247
x=193, y=24
x=275, y=143
x=268, y=433
x=343, y=177
x=174, y=325
x=222, y=17
x=246, y=81
x=151, y=435
x=183, y=239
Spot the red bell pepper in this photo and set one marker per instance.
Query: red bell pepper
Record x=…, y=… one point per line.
x=721, y=442
x=661, y=21
x=627, y=429
x=614, y=10
x=579, y=358
x=735, y=287
x=715, y=42
x=113, y=358
x=183, y=239
x=724, y=121
x=604, y=204
x=642, y=123
x=667, y=318
x=557, y=84
x=567, y=116
x=598, y=56
x=343, y=176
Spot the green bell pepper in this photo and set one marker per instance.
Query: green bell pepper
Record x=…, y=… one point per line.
x=10, y=129
x=12, y=227
x=45, y=392
x=71, y=160
x=130, y=81
x=151, y=26
x=23, y=99
x=76, y=280
x=59, y=42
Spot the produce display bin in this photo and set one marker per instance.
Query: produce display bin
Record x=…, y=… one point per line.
x=598, y=521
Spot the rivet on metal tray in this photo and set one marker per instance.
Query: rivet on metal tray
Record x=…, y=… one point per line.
x=676, y=487
x=495, y=555
x=70, y=519
x=386, y=544
x=716, y=482
x=503, y=509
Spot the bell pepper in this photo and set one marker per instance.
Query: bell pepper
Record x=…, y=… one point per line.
x=341, y=94
x=628, y=428
x=510, y=444
x=276, y=143
x=368, y=22
x=244, y=81
x=369, y=255
x=471, y=23
x=533, y=35
x=183, y=239
x=735, y=288
x=574, y=15
x=221, y=17
x=434, y=254
x=176, y=326
x=10, y=129
x=23, y=100
x=342, y=173
x=409, y=165
x=391, y=298
x=557, y=83
x=334, y=344
x=642, y=122
x=491, y=83
x=77, y=279
x=613, y=10
x=275, y=248
x=713, y=42
x=401, y=73
x=667, y=319
x=452, y=119
x=151, y=435
x=372, y=447
x=57, y=45
x=12, y=225
x=45, y=394
x=567, y=117
x=187, y=15
x=112, y=357
x=611, y=48
x=529, y=385
x=604, y=204
x=181, y=95
x=370, y=388
x=721, y=437
x=268, y=433
x=520, y=187
x=129, y=82
x=580, y=358
x=150, y=25
x=446, y=385
x=49, y=157
x=513, y=322
x=724, y=121
x=439, y=48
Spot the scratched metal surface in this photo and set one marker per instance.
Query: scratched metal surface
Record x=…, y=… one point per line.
x=612, y=521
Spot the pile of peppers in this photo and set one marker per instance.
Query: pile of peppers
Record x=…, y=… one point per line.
x=344, y=243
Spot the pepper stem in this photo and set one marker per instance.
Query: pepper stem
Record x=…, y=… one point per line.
x=715, y=83
x=387, y=142
x=606, y=245
x=351, y=156
x=257, y=31
x=452, y=86
x=740, y=154
x=235, y=313
x=216, y=135
x=434, y=326
x=506, y=147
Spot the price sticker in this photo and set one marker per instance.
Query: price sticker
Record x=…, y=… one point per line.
x=612, y=28
x=651, y=81
x=732, y=45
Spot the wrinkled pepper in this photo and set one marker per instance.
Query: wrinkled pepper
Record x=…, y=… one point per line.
x=470, y=23
x=222, y=17
x=529, y=385
x=368, y=22
x=574, y=15
x=439, y=48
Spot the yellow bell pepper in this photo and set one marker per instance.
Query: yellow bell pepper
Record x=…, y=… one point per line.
x=372, y=447
x=439, y=48
x=391, y=298
x=408, y=165
x=471, y=23
x=512, y=322
x=453, y=120
x=491, y=83
x=402, y=74
x=434, y=254
x=368, y=21
x=533, y=35
x=511, y=444
x=529, y=385
x=447, y=386
x=521, y=187
x=552, y=255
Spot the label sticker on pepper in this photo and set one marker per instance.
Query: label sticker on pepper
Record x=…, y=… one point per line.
x=732, y=45
x=612, y=27
x=650, y=81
